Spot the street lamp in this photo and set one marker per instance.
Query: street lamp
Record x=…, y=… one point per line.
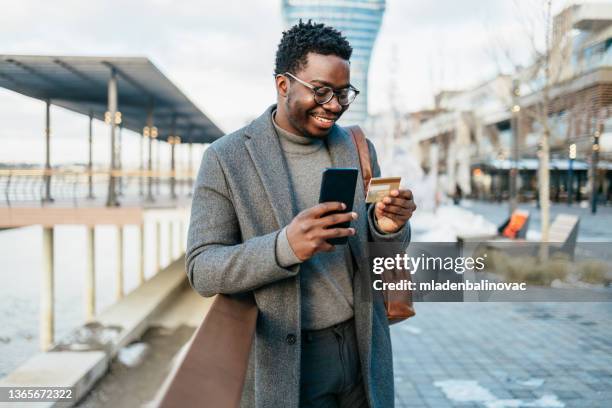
x=594, y=160
x=151, y=133
x=173, y=140
x=112, y=117
x=514, y=123
x=570, y=169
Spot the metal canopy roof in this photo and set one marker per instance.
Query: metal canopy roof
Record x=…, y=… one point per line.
x=80, y=84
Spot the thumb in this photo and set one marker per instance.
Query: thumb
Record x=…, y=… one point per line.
x=377, y=211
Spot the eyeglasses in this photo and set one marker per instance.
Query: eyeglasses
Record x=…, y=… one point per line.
x=324, y=94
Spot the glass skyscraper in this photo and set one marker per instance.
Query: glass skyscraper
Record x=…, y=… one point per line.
x=359, y=21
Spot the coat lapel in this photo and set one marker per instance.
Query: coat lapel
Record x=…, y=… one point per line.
x=263, y=146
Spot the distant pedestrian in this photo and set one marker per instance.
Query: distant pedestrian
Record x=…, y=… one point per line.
x=458, y=195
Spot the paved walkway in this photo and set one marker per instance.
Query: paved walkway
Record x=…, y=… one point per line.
x=498, y=355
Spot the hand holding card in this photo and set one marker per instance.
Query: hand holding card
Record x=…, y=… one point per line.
x=393, y=206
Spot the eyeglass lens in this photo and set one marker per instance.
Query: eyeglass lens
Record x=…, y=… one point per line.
x=325, y=94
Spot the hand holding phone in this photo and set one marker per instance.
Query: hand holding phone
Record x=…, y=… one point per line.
x=310, y=230
x=319, y=228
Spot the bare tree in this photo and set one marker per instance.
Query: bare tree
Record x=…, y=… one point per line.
x=546, y=69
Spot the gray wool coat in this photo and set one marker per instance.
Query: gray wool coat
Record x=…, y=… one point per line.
x=241, y=202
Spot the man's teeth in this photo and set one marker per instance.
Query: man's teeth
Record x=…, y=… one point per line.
x=324, y=120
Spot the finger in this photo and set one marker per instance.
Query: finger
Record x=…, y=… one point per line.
x=324, y=208
x=381, y=207
x=407, y=194
x=394, y=209
x=326, y=247
x=396, y=201
x=337, y=233
x=334, y=219
x=395, y=217
x=403, y=193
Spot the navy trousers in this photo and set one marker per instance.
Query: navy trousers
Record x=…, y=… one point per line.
x=330, y=370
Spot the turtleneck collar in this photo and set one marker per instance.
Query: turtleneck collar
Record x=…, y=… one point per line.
x=292, y=143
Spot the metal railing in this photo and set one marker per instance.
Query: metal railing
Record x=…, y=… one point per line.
x=83, y=187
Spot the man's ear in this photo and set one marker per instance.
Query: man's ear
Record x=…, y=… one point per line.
x=282, y=85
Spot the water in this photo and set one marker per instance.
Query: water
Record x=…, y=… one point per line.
x=21, y=266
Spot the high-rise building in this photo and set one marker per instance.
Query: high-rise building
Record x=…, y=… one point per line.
x=359, y=21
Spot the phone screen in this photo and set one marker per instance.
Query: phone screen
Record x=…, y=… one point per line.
x=338, y=184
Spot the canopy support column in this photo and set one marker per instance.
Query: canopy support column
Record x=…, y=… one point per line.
x=173, y=139
x=157, y=166
x=120, y=161
x=150, y=132
x=190, y=168
x=141, y=266
x=111, y=200
x=47, y=198
x=47, y=301
x=90, y=194
x=90, y=277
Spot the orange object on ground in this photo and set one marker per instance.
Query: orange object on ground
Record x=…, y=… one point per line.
x=516, y=223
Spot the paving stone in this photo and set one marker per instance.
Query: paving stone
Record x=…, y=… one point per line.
x=504, y=345
x=566, y=395
x=522, y=394
x=598, y=386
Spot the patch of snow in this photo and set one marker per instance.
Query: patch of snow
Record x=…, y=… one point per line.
x=532, y=382
x=534, y=235
x=410, y=329
x=465, y=391
x=545, y=401
x=446, y=223
x=471, y=391
x=133, y=354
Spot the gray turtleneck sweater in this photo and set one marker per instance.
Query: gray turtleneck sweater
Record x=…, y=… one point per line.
x=326, y=279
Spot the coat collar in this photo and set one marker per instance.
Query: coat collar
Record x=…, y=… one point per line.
x=264, y=147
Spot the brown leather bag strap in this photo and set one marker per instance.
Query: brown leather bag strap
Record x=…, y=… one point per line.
x=363, y=150
x=214, y=369
x=398, y=304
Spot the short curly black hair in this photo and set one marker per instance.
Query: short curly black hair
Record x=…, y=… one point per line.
x=303, y=38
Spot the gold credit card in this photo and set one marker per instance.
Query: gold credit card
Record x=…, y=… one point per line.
x=381, y=187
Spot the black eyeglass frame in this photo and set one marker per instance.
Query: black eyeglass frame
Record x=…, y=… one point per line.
x=315, y=89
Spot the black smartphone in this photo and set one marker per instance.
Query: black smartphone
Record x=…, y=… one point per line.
x=338, y=184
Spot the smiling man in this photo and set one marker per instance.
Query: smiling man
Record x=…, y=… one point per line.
x=322, y=336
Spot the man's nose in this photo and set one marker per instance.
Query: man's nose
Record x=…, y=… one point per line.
x=333, y=105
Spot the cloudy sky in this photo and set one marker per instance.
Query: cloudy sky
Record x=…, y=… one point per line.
x=221, y=54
